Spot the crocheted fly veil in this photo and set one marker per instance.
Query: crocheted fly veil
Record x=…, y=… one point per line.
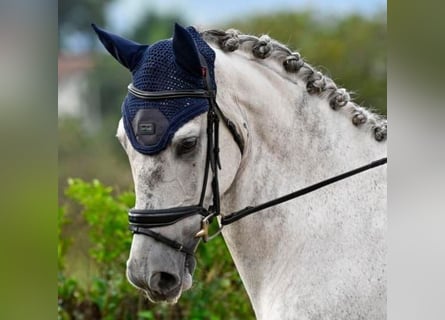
x=172, y=64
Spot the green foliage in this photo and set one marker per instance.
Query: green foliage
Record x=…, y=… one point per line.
x=103, y=212
x=67, y=287
x=63, y=242
x=217, y=293
x=154, y=27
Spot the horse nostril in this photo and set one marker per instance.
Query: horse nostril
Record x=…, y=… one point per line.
x=163, y=282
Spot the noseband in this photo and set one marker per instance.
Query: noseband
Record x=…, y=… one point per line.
x=141, y=221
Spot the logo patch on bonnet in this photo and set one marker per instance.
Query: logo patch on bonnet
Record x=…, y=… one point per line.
x=167, y=65
x=146, y=128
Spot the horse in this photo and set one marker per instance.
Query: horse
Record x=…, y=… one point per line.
x=229, y=120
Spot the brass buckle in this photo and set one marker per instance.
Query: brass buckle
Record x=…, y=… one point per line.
x=204, y=232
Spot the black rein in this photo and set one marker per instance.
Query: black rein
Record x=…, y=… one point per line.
x=235, y=216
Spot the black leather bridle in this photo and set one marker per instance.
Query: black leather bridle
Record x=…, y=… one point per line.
x=141, y=221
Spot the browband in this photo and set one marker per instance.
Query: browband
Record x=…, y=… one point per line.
x=168, y=94
x=197, y=93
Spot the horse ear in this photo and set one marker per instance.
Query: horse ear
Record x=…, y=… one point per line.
x=185, y=51
x=127, y=52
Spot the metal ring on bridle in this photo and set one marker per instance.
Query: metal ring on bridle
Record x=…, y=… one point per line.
x=204, y=232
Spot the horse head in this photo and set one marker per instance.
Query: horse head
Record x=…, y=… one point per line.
x=166, y=139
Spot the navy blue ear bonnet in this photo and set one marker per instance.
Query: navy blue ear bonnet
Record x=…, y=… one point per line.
x=172, y=64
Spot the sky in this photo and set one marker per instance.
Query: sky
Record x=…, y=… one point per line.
x=123, y=14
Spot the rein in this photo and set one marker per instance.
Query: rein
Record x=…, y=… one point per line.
x=141, y=221
x=235, y=216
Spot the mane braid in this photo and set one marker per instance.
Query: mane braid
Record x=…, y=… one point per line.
x=316, y=83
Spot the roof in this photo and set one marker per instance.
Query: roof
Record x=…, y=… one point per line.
x=69, y=64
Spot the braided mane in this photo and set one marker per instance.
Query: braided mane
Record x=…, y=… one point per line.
x=316, y=83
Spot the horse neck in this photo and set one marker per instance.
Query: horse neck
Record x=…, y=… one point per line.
x=294, y=139
x=290, y=133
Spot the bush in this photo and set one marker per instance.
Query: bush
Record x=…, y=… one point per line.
x=217, y=293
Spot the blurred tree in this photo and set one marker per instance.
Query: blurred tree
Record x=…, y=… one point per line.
x=350, y=49
x=154, y=27
x=75, y=18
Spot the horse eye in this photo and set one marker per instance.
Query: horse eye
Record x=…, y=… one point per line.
x=187, y=145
